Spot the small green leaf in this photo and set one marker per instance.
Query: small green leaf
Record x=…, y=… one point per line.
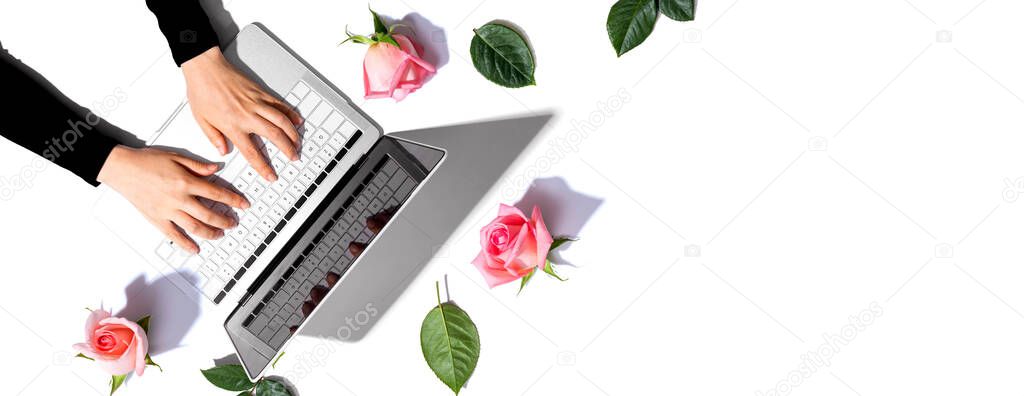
x=560, y=241
x=245, y=393
x=378, y=24
x=387, y=39
x=279, y=356
x=550, y=270
x=144, y=323
x=501, y=55
x=525, y=279
x=680, y=10
x=450, y=343
x=630, y=22
x=269, y=387
x=230, y=377
x=116, y=382
x=150, y=362
x=84, y=357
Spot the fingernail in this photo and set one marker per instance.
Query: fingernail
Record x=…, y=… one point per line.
x=223, y=150
x=273, y=178
x=295, y=157
x=193, y=249
x=212, y=166
x=245, y=204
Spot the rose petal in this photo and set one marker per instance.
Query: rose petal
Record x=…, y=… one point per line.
x=93, y=321
x=544, y=239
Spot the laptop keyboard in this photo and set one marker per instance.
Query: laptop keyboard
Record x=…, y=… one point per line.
x=382, y=190
x=327, y=135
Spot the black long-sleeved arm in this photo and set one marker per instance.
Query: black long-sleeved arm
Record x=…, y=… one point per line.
x=185, y=26
x=39, y=120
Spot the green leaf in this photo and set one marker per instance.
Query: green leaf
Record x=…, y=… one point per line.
x=525, y=279
x=560, y=241
x=550, y=270
x=450, y=343
x=630, y=22
x=680, y=10
x=245, y=393
x=84, y=357
x=150, y=362
x=116, y=382
x=230, y=377
x=279, y=356
x=386, y=38
x=501, y=55
x=144, y=324
x=269, y=387
x=378, y=24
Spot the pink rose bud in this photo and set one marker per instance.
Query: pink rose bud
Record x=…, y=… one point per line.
x=390, y=72
x=118, y=345
x=512, y=246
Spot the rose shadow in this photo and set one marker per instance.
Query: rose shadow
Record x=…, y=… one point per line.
x=173, y=310
x=432, y=38
x=565, y=210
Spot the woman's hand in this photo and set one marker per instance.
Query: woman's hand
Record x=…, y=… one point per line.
x=165, y=187
x=226, y=104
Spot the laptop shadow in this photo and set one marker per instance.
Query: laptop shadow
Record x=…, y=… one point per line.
x=477, y=156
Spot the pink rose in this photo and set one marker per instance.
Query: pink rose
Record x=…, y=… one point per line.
x=512, y=246
x=118, y=345
x=390, y=72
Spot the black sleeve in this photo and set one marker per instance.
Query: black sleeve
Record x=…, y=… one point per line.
x=185, y=26
x=37, y=119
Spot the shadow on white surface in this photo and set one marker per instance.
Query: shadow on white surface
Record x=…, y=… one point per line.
x=565, y=210
x=172, y=309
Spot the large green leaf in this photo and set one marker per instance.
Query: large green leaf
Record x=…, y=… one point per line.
x=630, y=22
x=269, y=387
x=116, y=381
x=450, y=343
x=680, y=10
x=230, y=377
x=501, y=55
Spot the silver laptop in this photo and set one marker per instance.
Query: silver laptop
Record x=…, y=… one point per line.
x=313, y=222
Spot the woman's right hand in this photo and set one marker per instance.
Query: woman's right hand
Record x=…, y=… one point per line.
x=165, y=187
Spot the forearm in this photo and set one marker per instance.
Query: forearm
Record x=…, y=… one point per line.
x=186, y=27
x=36, y=118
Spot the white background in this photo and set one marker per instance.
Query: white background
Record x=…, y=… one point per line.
x=822, y=156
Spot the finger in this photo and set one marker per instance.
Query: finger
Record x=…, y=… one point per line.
x=198, y=167
x=285, y=108
x=317, y=294
x=209, y=216
x=277, y=136
x=196, y=227
x=332, y=279
x=376, y=222
x=274, y=115
x=179, y=238
x=214, y=192
x=356, y=248
x=215, y=136
x=307, y=308
x=255, y=158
